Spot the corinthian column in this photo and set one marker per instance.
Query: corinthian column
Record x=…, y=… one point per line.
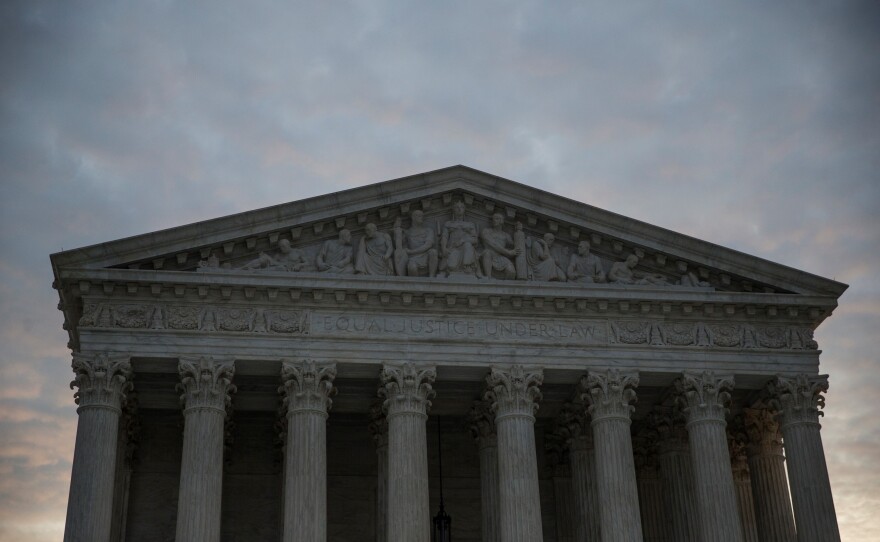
x=677, y=475
x=739, y=465
x=102, y=383
x=307, y=388
x=704, y=397
x=407, y=392
x=482, y=426
x=379, y=430
x=514, y=395
x=609, y=395
x=206, y=386
x=650, y=487
x=767, y=471
x=799, y=401
x=582, y=456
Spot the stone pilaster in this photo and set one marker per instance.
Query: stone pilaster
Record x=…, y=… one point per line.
x=582, y=457
x=482, y=427
x=739, y=465
x=206, y=386
x=677, y=475
x=307, y=388
x=407, y=390
x=514, y=395
x=379, y=430
x=799, y=401
x=704, y=397
x=650, y=487
x=767, y=472
x=609, y=395
x=102, y=383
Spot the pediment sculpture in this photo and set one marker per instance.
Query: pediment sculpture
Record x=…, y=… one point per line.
x=457, y=248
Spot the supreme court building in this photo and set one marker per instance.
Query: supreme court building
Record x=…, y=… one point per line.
x=282, y=374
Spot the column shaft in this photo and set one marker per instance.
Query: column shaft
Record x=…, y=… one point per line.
x=746, y=510
x=102, y=383
x=489, y=499
x=651, y=508
x=585, y=490
x=682, y=522
x=564, y=495
x=769, y=487
x=382, y=494
x=201, y=476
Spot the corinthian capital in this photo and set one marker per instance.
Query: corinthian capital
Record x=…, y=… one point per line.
x=514, y=391
x=481, y=423
x=407, y=388
x=205, y=383
x=704, y=396
x=762, y=431
x=609, y=394
x=307, y=386
x=378, y=425
x=102, y=380
x=799, y=399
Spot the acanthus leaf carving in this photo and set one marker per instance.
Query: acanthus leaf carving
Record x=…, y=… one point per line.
x=101, y=379
x=609, y=394
x=799, y=399
x=307, y=386
x=762, y=429
x=407, y=388
x=703, y=396
x=514, y=390
x=205, y=383
x=481, y=423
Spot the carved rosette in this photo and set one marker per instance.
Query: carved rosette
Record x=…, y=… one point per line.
x=610, y=394
x=378, y=425
x=514, y=391
x=102, y=380
x=799, y=399
x=762, y=431
x=406, y=388
x=307, y=386
x=205, y=384
x=481, y=423
x=703, y=396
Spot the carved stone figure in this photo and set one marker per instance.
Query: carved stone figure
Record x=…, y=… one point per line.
x=458, y=244
x=287, y=259
x=690, y=279
x=623, y=273
x=584, y=267
x=496, y=256
x=541, y=261
x=336, y=255
x=213, y=262
x=374, y=253
x=414, y=252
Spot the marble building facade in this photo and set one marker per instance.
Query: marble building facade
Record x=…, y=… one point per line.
x=282, y=374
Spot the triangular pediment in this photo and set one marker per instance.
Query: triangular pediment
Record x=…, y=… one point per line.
x=256, y=242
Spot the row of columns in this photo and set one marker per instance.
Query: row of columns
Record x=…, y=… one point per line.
x=606, y=491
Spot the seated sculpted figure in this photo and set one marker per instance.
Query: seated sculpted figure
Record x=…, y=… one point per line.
x=414, y=252
x=335, y=255
x=374, y=253
x=623, y=273
x=542, y=264
x=457, y=244
x=584, y=267
x=496, y=255
x=287, y=259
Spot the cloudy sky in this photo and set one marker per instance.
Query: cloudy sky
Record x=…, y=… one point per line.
x=754, y=125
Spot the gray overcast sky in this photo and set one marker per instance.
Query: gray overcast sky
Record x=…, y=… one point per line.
x=755, y=125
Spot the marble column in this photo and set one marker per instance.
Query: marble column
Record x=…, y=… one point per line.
x=514, y=394
x=742, y=482
x=609, y=395
x=206, y=386
x=767, y=472
x=585, y=494
x=102, y=383
x=677, y=476
x=799, y=401
x=650, y=489
x=129, y=429
x=482, y=426
x=704, y=397
x=557, y=458
x=307, y=388
x=407, y=392
x=379, y=430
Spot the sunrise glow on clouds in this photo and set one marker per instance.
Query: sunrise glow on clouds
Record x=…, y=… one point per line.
x=751, y=125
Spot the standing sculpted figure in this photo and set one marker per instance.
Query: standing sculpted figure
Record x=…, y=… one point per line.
x=374, y=253
x=287, y=259
x=414, y=252
x=496, y=256
x=584, y=267
x=542, y=263
x=335, y=255
x=623, y=273
x=457, y=244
